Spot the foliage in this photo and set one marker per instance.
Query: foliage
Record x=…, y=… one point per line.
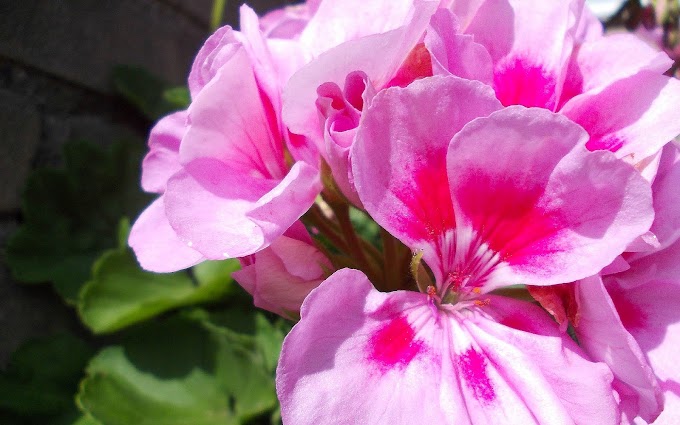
x=71, y=215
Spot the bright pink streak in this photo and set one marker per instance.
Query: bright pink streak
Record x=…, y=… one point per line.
x=630, y=314
x=473, y=368
x=518, y=82
x=506, y=216
x=429, y=202
x=393, y=344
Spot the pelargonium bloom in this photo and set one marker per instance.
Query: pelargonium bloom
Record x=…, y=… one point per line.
x=492, y=197
x=227, y=190
x=552, y=54
x=626, y=316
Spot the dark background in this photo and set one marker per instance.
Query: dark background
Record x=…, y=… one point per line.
x=56, y=60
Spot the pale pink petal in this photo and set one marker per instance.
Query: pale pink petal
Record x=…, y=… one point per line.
x=280, y=276
x=216, y=51
x=589, y=27
x=162, y=161
x=156, y=245
x=288, y=21
x=229, y=120
x=300, y=94
x=602, y=335
x=454, y=53
x=465, y=10
x=646, y=266
x=338, y=21
x=530, y=63
x=608, y=59
x=650, y=313
x=412, y=364
x=226, y=213
x=666, y=186
x=637, y=129
x=530, y=197
x=409, y=129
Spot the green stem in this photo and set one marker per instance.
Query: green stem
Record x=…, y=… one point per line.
x=390, y=259
x=217, y=14
x=327, y=228
x=354, y=243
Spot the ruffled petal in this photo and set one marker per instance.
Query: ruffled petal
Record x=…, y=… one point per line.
x=527, y=191
x=410, y=129
x=162, y=161
x=226, y=213
x=370, y=357
x=603, y=336
x=157, y=246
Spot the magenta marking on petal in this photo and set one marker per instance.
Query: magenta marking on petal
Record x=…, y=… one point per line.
x=473, y=368
x=508, y=218
x=429, y=201
x=610, y=143
x=631, y=315
x=394, y=344
x=519, y=82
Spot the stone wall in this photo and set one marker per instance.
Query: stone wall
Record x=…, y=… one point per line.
x=56, y=58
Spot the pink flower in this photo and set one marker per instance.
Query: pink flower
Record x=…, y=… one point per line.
x=227, y=190
x=553, y=55
x=280, y=276
x=492, y=197
x=628, y=317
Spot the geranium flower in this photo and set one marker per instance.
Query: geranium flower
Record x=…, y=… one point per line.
x=492, y=197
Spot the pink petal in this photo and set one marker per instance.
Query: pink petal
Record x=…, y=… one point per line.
x=646, y=266
x=216, y=51
x=281, y=276
x=162, y=161
x=338, y=21
x=230, y=121
x=525, y=188
x=603, y=61
x=603, y=336
x=156, y=245
x=454, y=53
x=299, y=96
x=410, y=130
x=410, y=364
x=226, y=213
x=529, y=63
x=650, y=313
x=342, y=111
x=639, y=128
x=666, y=224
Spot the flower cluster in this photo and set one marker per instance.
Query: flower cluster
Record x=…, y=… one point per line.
x=521, y=169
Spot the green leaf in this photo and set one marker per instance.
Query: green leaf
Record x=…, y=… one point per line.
x=41, y=378
x=179, y=97
x=145, y=91
x=365, y=226
x=121, y=293
x=184, y=370
x=70, y=215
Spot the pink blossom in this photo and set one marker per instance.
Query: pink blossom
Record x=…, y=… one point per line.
x=280, y=276
x=227, y=191
x=492, y=197
x=625, y=316
x=553, y=55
